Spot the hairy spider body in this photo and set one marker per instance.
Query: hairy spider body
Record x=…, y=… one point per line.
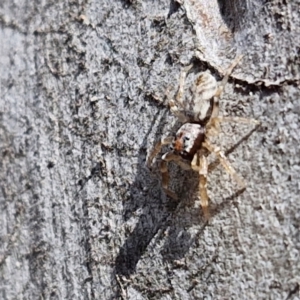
x=191, y=144
x=188, y=140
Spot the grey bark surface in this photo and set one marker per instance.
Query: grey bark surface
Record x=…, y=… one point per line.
x=84, y=89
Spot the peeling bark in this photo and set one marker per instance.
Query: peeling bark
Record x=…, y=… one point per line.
x=83, y=99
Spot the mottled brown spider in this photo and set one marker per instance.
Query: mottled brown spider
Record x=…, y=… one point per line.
x=191, y=144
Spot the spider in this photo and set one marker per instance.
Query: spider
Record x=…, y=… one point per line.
x=191, y=144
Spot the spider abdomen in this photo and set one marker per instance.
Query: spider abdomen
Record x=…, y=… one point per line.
x=204, y=91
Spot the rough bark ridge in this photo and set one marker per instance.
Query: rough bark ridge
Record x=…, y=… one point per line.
x=83, y=90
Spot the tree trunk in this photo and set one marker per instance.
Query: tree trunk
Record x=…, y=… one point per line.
x=84, y=90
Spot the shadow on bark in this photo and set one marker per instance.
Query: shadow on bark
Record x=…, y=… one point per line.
x=158, y=214
x=234, y=13
x=162, y=217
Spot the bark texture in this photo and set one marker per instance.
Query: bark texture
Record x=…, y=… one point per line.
x=83, y=98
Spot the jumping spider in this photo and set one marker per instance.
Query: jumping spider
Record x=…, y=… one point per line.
x=191, y=144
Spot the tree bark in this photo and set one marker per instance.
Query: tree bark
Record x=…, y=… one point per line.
x=84, y=89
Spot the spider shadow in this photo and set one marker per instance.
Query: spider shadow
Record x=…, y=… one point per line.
x=155, y=211
x=187, y=215
x=162, y=220
x=179, y=241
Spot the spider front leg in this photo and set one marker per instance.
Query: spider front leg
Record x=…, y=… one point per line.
x=165, y=178
x=156, y=149
x=225, y=163
x=200, y=165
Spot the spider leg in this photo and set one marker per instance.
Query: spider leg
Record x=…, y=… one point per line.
x=213, y=126
x=237, y=119
x=225, y=163
x=200, y=165
x=182, y=78
x=227, y=74
x=177, y=104
x=156, y=149
x=177, y=112
x=215, y=110
x=214, y=164
x=165, y=178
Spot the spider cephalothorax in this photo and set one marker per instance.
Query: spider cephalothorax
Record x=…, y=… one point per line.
x=191, y=145
x=188, y=140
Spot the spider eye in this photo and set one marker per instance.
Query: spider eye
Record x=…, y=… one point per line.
x=171, y=147
x=184, y=152
x=186, y=138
